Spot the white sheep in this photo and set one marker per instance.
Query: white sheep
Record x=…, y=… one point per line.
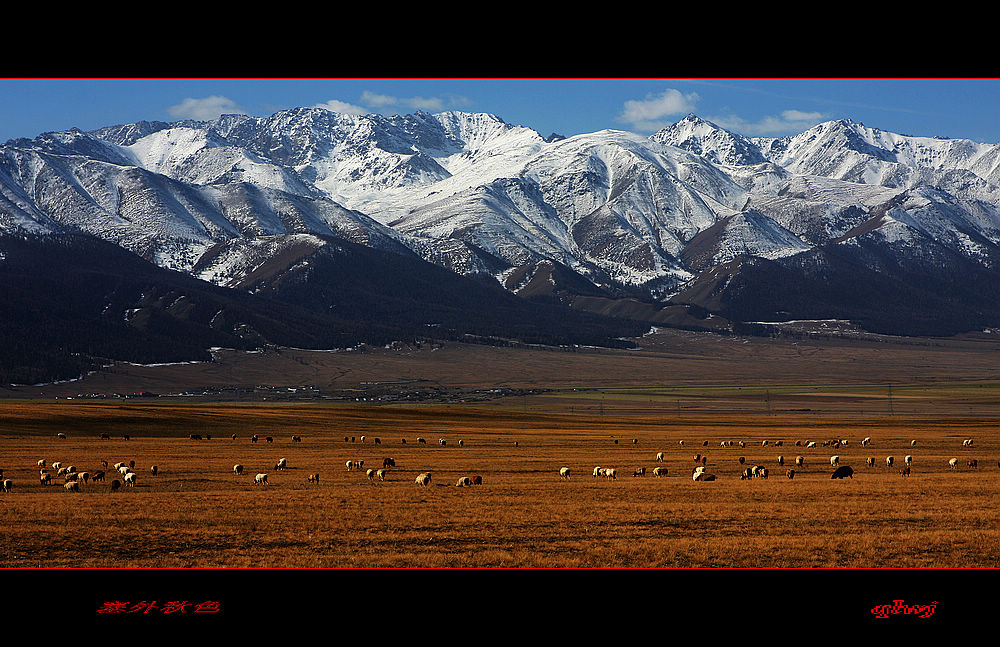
x=41, y=463
x=71, y=486
x=130, y=479
x=45, y=479
x=659, y=457
x=281, y=464
x=57, y=465
x=781, y=461
x=953, y=463
x=237, y=468
x=350, y=466
x=6, y=485
x=835, y=461
x=564, y=473
x=811, y=443
x=889, y=460
x=967, y=443
x=659, y=471
x=465, y=481
x=611, y=473
x=423, y=478
x=442, y=442
x=370, y=474
x=866, y=441
x=800, y=461
x=907, y=459
x=380, y=473
x=260, y=479
x=597, y=471
x=913, y=443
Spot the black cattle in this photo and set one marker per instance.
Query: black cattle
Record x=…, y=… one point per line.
x=844, y=471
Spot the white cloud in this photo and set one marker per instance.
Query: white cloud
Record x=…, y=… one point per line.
x=342, y=107
x=430, y=104
x=790, y=122
x=205, y=109
x=655, y=111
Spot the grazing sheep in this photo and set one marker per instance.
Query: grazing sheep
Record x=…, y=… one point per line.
x=742, y=459
x=659, y=471
x=790, y=473
x=115, y=484
x=98, y=476
x=130, y=479
x=117, y=466
x=260, y=479
x=907, y=459
x=866, y=441
x=442, y=442
x=639, y=471
x=130, y=464
x=388, y=462
x=800, y=461
x=870, y=461
x=363, y=438
x=360, y=464
x=313, y=478
x=905, y=471
x=61, y=471
x=763, y=443
x=404, y=441
x=268, y=439
x=781, y=461
x=705, y=444
x=597, y=471
x=85, y=476
x=41, y=463
x=835, y=461
x=421, y=440
x=6, y=485
x=659, y=457
x=811, y=443
x=611, y=473
x=296, y=439
x=423, y=478
x=61, y=435
x=465, y=481
x=680, y=442
x=281, y=464
x=913, y=443
x=253, y=438
x=889, y=461
x=238, y=468
x=747, y=474
x=71, y=477
x=154, y=470
x=370, y=474
x=46, y=479
x=194, y=437
x=379, y=441
x=953, y=463
x=844, y=471
x=350, y=466
x=699, y=474
x=234, y=436
x=967, y=443
x=126, y=437
x=56, y=465
x=105, y=436
x=71, y=469
x=382, y=473
x=71, y=486
x=973, y=463
x=564, y=473
x=477, y=480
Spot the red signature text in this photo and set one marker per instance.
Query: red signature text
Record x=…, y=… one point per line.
x=897, y=607
x=170, y=607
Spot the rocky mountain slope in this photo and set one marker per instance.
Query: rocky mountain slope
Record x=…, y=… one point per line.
x=691, y=216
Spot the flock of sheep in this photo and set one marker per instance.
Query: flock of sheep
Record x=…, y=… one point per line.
x=74, y=480
x=699, y=473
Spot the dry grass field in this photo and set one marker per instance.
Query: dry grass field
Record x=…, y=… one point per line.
x=197, y=513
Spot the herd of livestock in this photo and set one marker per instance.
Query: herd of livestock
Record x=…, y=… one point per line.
x=124, y=475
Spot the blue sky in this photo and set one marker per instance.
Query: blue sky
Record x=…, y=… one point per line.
x=954, y=108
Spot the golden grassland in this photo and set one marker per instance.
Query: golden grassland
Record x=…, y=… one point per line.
x=197, y=513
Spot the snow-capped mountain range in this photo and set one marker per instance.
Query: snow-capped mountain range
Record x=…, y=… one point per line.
x=651, y=217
